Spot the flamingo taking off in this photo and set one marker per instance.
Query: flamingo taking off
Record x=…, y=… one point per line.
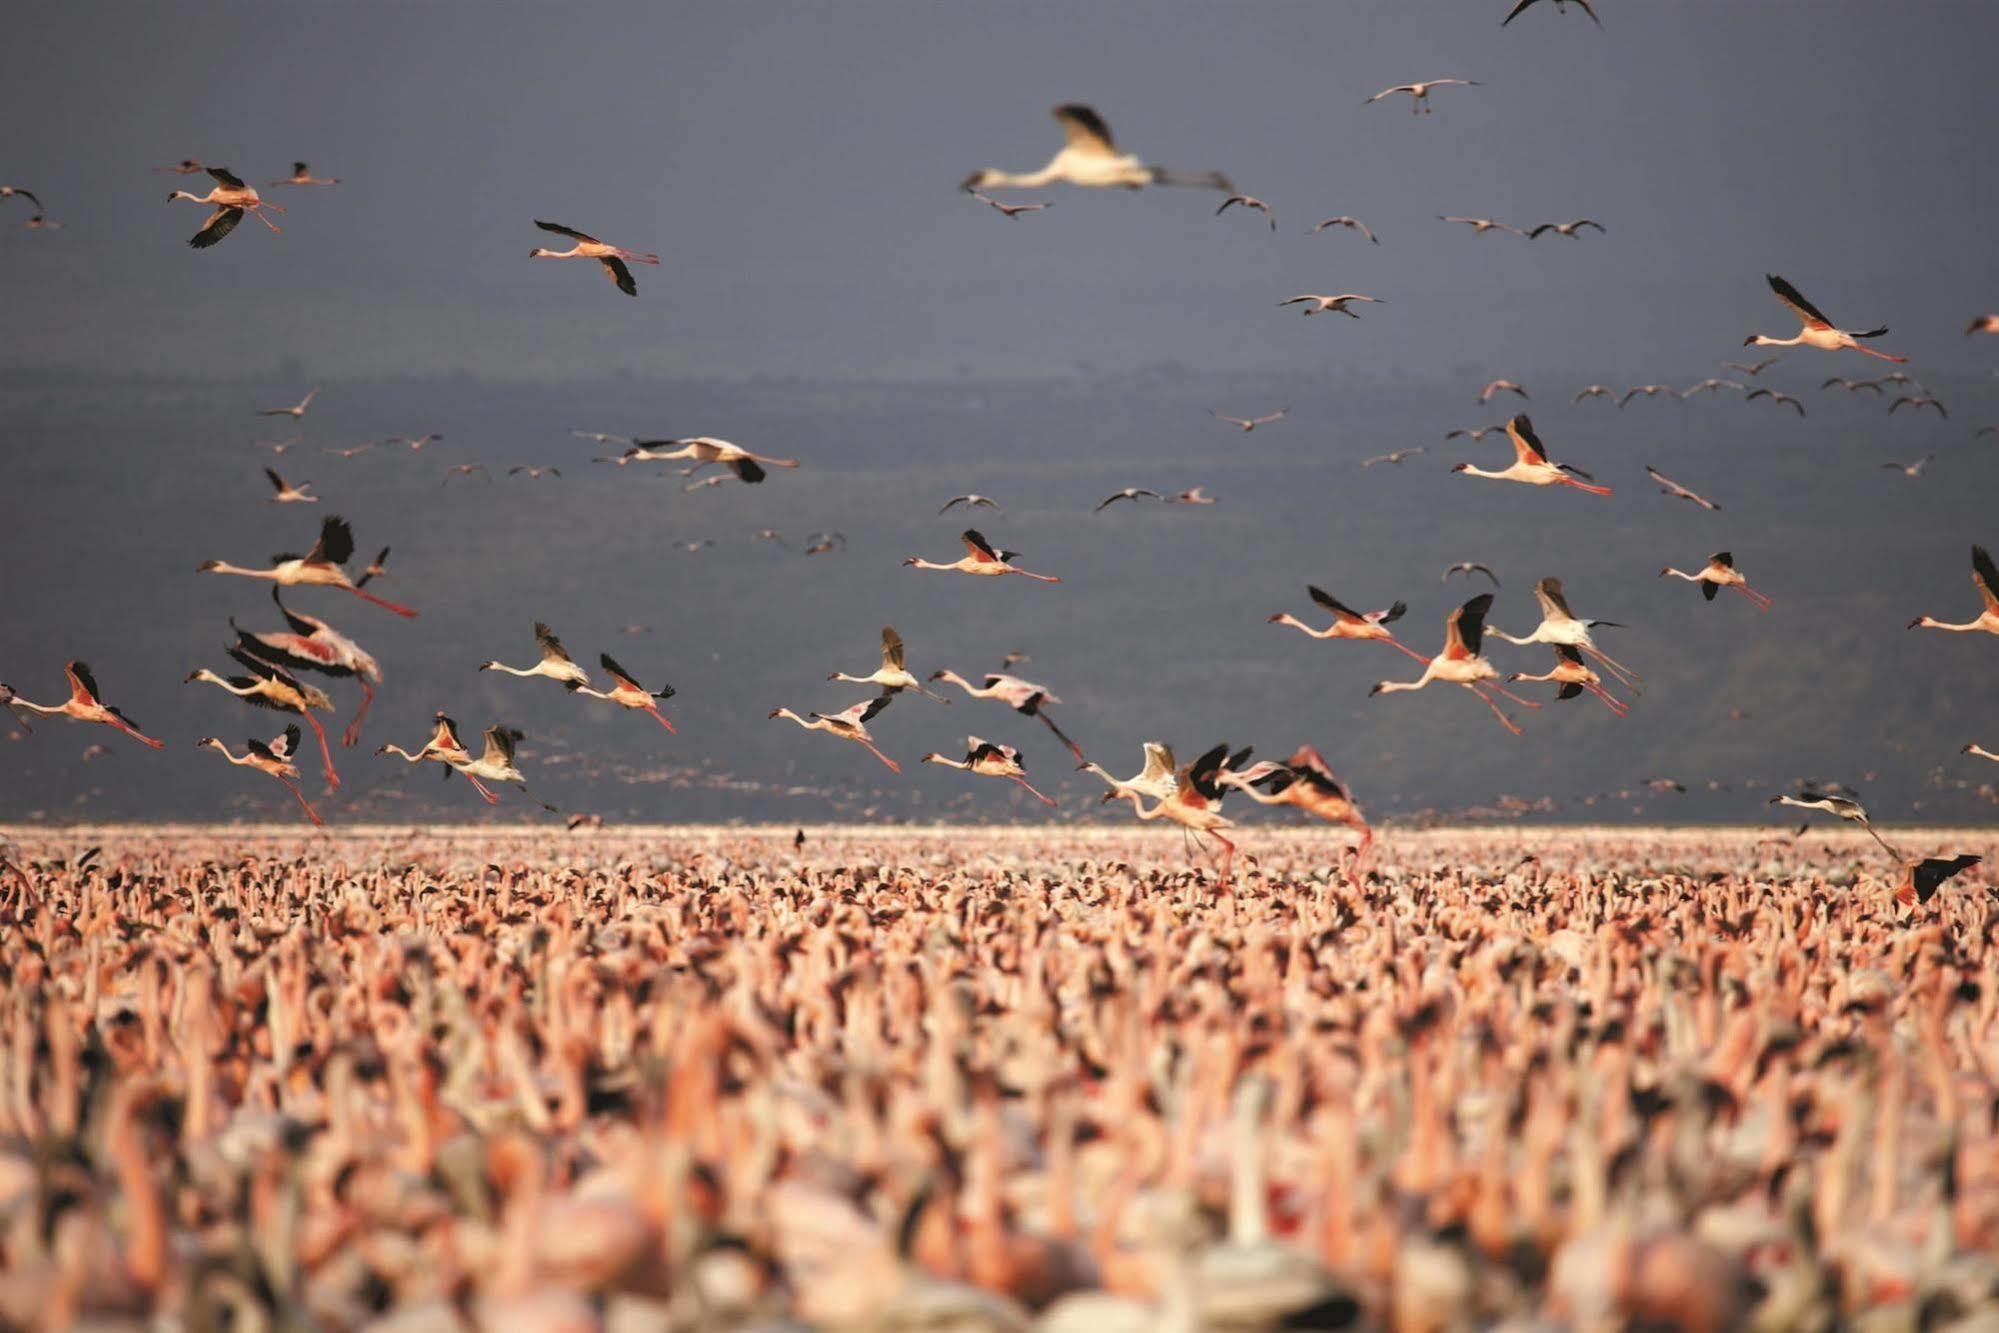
x=1305, y=781
x=1985, y=578
x=1194, y=804
x=1719, y=573
x=993, y=760
x=287, y=494
x=891, y=676
x=273, y=757
x=1419, y=93
x=612, y=257
x=705, y=450
x=1090, y=158
x=445, y=748
x=555, y=662
x=272, y=686
x=1921, y=879
x=496, y=764
x=232, y=199
x=1562, y=628
x=1846, y=808
x=314, y=645
x=980, y=558
x=302, y=175
x=628, y=693
x=83, y=705
x=1574, y=676
x=1158, y=779
x=1022, y=696
x=849, y=724
x=1460, y=664
x=1349, y=623
x=1531, y=465
x=296, y=410
x=320, y=567
x=1816, y=331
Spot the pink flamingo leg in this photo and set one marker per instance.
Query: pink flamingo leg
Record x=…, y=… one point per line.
x=1616, y=706
x=310, y=813
x=1228, y=857
x=1504, y=720
x=660, y=718
x=1632, y=680
x=352, y=736
x=1402, y=647
x=138, y=735
x=1040, y=578
x=382, y=602
x=1074, y=748
x=1031, y=791
x=892, y=765
x=332, y=778
x=1885, y=356
x=1585, y=486
x=1756, y=599
x=1524, y=703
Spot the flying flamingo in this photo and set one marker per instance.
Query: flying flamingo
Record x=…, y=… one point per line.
x=1195, y=804
x=555, y=663
x=1351, y=624
x=1564, y=629
x=628, y=693
x=1568, y=229
x=1159, y=778
x=612, y=257
x=232, y=199
x=1531, y=465
x=445, y=748
x=1460, y=664
x=1667, y=486
x=272, y=686
x=1719, y=573
x=1090, y=158
x=1984, y=577
x=1419, y=93
x=1306, y=781
x=274, y=758
x=1816, y=330
x=1846, y=808
x=83, y=705
x=1011, y=212
x=981, y=559
x=1316, y=303
x=1248, y=424
x=1493, y=387
x=314, y=645
x=496, y=764
x=320, y=567
x=704, y=450
x=850, y=724
x=1247, y=202
x=1351, y=224
x=1023, y=697
x=9, y=191
x=892, y=676
x=296, y=411
x=302, y=175
x=287, y=494
x=991, y=759
x=1574, y=677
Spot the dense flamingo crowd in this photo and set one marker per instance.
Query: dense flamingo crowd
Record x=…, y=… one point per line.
x=973, y=1080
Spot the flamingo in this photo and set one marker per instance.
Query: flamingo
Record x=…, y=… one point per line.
x=1474, y=435
x=850, y=724
x=1574, y=677
x=1719, y=573
x=1667, y=486
x=302, y=175
x=1316, y=304
x=415, y=442
x=273, y=757
x=971, y=502
x=1593, y=391
x=612, y=257
x=555, y=663
x=1811, y=798
x=1419, y=93
x=1980, y=751
x=232, y=199
x=1568, y=229
x=1984, y=577
x=271, y=686
x=1128, y=493
x=1393, y=456
x=1090, y=158
x=496, y=764
x=1562, y=628
x=706, y=449
x=1647, y=391
x=600, y=437
x=320, y=567
x=1531, y=465
x=445, y=748
x=314, y=645
x=1194, y=804
x=40, y=223
x=1460, y=664
x=533, y=473
x=1752, y=368
x=1159, y=778
x=1917, y=402
x=1495, y=387
x=824, y=543
x=1712, y=384
x=1560, y=8
x=1349, y=623
x=1351, y=224
x=1011, y=212
x=993, y=760
x=288, y=494
x=1248, y=424
x=628, y=693
x=1912, y=470
x=1023, y=697
x=187, y=166
x=1305, y=781
x=376, y=568
x=1248, y=201
x=891, y=676
x=9, y=191
x=1816, y=330
x=1853, y=385
x=1778, y=398
x=296, y=411
x=1480, y=226
x=1921, y=879
x=981, y=559
x=83, y=705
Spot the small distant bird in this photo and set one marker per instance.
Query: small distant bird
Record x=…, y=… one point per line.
x=533, y=473
x=1811, y=798
x=1776, y=396
x=1248, y=201
x=1568, y=229
x=1469, y=567
x=1985, y=578
x=1985, y=430
x=1917, y=402
x=415, y=442
x=599, y=437
x=9, y=191
x=1531, y=464
x=1316, y=304
x=288, y=494
x=1711, y=385
x=1852, y=386
x=40, y=223
x=1594, y=391
x=691, y=546
x=1194, y=495
x=1983, y=324
x=1911, y=470
x=302, y=175
x=1496, y=387
x=971, y=502
x=1419, y=93
x=1394, y=456
x=555, y=662
x=1667, y=486
x=1719, y=573
x=1128, y=493
x=584, y=821
x=1351, y=224
x=1752, y=368
x=1090, y=158
x=1647, y=391
x=1480, y=226
x=1816, y=331
x=1247, y=424
x=466, y=470
x=1923, y=878
x=770, y=535
x=824, y=543
x=981, y=559
x=612, y=257
x=850, y=724
x=295, y=411
x=1012, y=211
x=628, y=693
x=1479, y=434
x=349, y=452
x=232, y=199
x=993, y=760
x=375, y=568
x=1561, y=7
x=187, y=166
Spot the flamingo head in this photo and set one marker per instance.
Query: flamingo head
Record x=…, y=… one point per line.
x=1459, y=467
x=1917, y=623
x=192, y=676
x=539, y=253
x=1377, y=688
x=975, y=180
x=208, y=566
x=774, y=712
x=1275, y=617
x=911, y=560
x=939, y=675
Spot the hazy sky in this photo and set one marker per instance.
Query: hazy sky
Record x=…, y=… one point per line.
x=794, y=164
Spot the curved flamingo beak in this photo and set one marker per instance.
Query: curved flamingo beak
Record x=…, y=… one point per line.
x=1459, y=467
x=774, y=712
x=1750, y=341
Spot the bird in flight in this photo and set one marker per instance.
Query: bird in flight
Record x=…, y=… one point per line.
x=1247, y=424
x=992, y=760
x=850, y=724
x=1492, y=387
x=599, y=437
x=1349, y=623
x=1480, y=226
x=1248, y=201
x=1568, y=229
x=1459, y=662
x=1917, y=402
x=981, y=559
x=83, y=705
x=272, y=757
x=187, y=166
x=1594, y=391
x=302, y=175
x=349, y=452
x=612, y=257
x=40, y=223
x=1811, y=798
x=1478, y=434
x=9, y=191
x=1667, y=486
x=1531, y=465
x=1985, y=578
x=823, y=543
x=1394, y=456
x=1128, y=493
x=1720, y=572
x=1469, y=567
x=1574, y=676
x=1316, y=304
x=320, y=567
x=1351, y=224
x=1647, y=391
x=1911, y=470
x=970, y=502
x=295, y=411
x=1560, y=8
x=415, y=442
x=1012, y=211
x=1815, y=329
x=232, y=199
x=1710, y=385
x=1193, y=495
x=1776, y=396
x=555, y=662
x=1419, y=93
x=1853, y=386
x=1923, y=878
x=289, y=494
x=533, y=473
x=626, y=692
x=1090, y=158
x=466, y=470
x=1752, y=368
x=892, y=676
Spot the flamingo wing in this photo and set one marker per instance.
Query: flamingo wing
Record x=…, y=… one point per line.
x=570, y=232
x=1808, y=313
x=980, y=549
x=1084, y=130
x=1986, y=575
x=1526, y=444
